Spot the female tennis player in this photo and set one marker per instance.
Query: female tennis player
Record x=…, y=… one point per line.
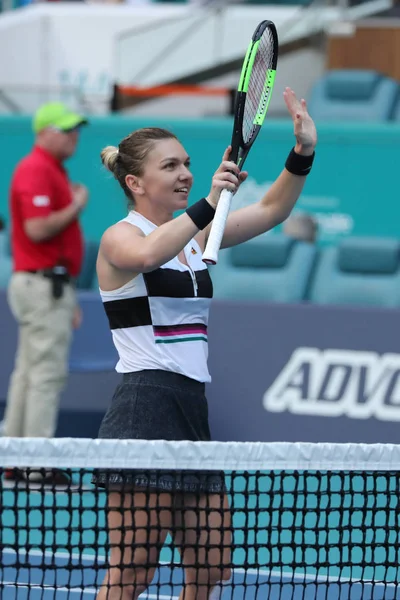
x=156, y=292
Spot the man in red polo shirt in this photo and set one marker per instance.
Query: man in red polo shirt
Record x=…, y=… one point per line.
x=47, y=250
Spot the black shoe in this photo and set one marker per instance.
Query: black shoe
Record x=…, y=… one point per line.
x=57, y=477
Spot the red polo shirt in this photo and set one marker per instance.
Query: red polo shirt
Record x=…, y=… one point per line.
x=39, y=187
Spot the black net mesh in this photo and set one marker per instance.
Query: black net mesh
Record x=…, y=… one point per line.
x=279, y=533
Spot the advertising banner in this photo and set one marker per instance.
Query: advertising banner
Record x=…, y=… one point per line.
x=304, y=373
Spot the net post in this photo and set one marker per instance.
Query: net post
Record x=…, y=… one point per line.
x=114, y=99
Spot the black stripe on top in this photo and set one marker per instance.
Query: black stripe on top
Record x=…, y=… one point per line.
x=128, y=312
x=170, y=283
x=204, y=282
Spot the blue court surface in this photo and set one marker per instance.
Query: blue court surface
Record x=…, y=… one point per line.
x=47, y=546
x=60, y=583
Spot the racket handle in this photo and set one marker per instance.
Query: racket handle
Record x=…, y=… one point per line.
x=210, y=255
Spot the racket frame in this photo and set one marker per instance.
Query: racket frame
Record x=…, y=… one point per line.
x=240, y=148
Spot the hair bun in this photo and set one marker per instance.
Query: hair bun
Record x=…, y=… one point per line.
x=109, y=156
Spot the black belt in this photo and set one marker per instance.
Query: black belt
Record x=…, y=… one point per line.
x=58, y=276
x=52, y=273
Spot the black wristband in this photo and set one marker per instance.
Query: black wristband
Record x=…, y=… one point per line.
x=297, y=164
x=201, y=213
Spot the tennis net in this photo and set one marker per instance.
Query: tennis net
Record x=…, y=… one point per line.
x=156, y=519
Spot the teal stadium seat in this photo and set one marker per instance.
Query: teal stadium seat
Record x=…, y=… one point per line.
x=4, y=242
x=5, y=259
x=88, y=271
x=396, y=112
x=352, y=94
x=95, y=284
x=270, y=268
x=5, y=271
x=92, y=350
x=359, y=271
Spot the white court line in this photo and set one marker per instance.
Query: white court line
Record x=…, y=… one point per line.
x=44, y=586
x=161, y=597
x=94, y=558
x=297, y=577
x=75, y=590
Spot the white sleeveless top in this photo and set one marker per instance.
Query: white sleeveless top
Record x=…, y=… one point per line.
x=159, y=319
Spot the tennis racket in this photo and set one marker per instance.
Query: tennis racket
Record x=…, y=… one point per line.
x=252, y=100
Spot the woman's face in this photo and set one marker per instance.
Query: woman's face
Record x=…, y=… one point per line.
x=167, y=180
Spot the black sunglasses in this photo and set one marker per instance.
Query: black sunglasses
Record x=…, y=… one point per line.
x=69, y=130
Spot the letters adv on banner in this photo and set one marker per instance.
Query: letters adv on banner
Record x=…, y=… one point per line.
x=334, y=383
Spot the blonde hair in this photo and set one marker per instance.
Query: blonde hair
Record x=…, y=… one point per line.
x=109, y=156
x=130, y=156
